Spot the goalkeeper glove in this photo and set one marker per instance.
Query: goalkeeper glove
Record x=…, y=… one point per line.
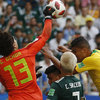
x=48, y=11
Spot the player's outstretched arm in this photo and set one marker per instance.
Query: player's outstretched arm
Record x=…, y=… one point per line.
x=49, y=54
x=40, y=41
x=48, y=22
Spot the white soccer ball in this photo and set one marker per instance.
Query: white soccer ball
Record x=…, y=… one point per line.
x=59, y=7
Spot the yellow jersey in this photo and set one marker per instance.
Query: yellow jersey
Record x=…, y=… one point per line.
x=92, y=65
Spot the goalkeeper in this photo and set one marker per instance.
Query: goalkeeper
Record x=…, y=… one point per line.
x=17, y=67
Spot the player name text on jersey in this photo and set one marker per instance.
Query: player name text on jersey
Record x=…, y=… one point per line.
x=13, y=56
x=73, y=85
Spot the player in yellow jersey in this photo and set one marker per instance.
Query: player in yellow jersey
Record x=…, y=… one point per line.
x=88, y=60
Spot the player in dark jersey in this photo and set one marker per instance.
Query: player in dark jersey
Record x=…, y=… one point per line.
x=68, y=87
x=53, y=74
x=17, y=66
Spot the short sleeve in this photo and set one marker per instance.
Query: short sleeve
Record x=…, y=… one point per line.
x=53, y=92
x=86, y=65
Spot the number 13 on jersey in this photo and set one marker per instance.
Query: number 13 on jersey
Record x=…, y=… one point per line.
x=24, y=69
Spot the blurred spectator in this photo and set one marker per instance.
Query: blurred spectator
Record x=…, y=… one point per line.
x=89, y=31
x=97, y=41
x=77, y=34
x=31, y=29
x=28, y=13
x=77, y=7
x=70, y=10
x=18, y=36
x=3, y=5
x=62, y=21
x=42, y=83
x=68, y=30
x=20, y=9
x=80, y=19
x=2, y=22
x=13, y=22
x=58, y=40
x=86, y=2
x=39, y=9
x=94, y=9
x=9, y=13
x=24, y=42
x=97, y=22
x=70, y=2
x=14, y=4
x=45, y=63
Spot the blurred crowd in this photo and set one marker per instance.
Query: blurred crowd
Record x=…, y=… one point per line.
x=24, y=19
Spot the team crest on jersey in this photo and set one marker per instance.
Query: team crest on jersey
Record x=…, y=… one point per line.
x=51, y=92
x=80, y=65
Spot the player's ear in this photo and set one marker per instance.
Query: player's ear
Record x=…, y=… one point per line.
x=59, y=76
x=15, y=45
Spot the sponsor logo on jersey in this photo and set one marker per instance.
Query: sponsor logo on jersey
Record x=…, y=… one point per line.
x=51, y=92
x=80, y=65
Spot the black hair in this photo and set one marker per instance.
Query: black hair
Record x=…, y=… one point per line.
x=6, y=43
x=59, y=31
x=52, y=69
x=17, y=29
x=80, y=42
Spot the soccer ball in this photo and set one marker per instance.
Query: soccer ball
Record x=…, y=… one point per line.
x=59, y=7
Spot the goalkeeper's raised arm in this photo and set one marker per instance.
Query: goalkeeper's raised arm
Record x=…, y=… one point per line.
x=40, y=41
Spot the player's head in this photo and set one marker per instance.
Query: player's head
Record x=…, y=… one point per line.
x=68, y=61
x=53, y=74
x=7, y=43
x=81, y=48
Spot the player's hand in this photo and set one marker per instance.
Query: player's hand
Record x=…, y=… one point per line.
x=46, y=52
x=63, y=49
x=48, y=11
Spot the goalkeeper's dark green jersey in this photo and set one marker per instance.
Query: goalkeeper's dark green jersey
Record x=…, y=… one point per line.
x=67, y=88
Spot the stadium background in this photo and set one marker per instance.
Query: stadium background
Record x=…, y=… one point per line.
x=24, y=20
